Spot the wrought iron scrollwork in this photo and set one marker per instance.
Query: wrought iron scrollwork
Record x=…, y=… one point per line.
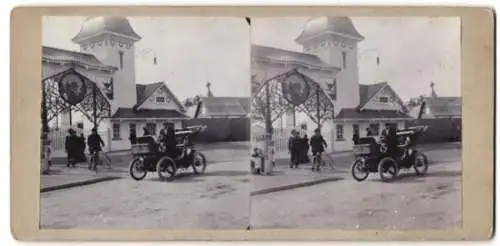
x=318, y=105
x=55, y=104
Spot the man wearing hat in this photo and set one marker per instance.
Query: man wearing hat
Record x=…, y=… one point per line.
x=294, y=148
x=71, y=145
x=167, y=137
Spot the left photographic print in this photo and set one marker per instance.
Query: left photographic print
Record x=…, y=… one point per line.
x=145, y=123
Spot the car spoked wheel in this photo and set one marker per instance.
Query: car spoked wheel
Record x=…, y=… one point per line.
x=359, y=170
x=137, y=170
x=420, y=165
x=199, y=163
x=166, y=166
x=387, y=169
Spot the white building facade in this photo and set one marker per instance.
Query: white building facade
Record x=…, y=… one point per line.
x=330, y=58
x=110, y=43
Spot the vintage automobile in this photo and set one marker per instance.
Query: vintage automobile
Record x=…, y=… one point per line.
x=373, y=157
x=150, y=157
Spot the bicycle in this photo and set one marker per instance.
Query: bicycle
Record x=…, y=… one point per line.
x=317, y=162
x=94, y=159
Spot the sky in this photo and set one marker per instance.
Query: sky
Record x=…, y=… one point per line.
x=413, y=51
x=190, y=51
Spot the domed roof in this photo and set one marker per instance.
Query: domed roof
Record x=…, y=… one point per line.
x=97, y=25
x=338, y=24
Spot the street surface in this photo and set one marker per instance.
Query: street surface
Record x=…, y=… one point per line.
x=411, y=202
x=219, y=199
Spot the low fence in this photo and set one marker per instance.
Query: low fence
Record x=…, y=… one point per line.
x=439, y=130
x=222, y=129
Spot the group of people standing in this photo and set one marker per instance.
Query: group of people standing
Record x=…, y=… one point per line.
x=75, y=146
x=298, y=147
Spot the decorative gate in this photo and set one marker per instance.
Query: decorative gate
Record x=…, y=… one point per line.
x=292, y=89
x=70, y=90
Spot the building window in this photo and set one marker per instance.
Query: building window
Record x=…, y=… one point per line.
x=132, y=128
x=375, y=128
x=340, y=132
x=116, y=131
x=384, y=99
x=160, y=99
x=151, y=127
x=121, y=59
x=344, y=59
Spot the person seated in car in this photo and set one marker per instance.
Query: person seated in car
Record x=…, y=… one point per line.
x=168, y=139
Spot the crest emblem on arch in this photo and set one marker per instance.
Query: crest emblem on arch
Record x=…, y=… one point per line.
x=295, y=89
x=72, y=88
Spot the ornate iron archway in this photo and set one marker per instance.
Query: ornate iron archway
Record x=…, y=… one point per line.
x=91, y=102
x=293, y=89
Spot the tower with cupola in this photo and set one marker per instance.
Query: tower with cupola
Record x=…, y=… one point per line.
x=335, y=41
x=111, y=39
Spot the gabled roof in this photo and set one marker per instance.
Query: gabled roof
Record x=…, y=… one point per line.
x=130, y=113
x=367, y=92
x=354, y=113
x=444, y=105
x=81, y=59
x=290, y=57
x=144, y=91
x=225, y=106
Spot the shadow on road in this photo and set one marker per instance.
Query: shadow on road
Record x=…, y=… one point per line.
x=192, y=177
x=414, y=178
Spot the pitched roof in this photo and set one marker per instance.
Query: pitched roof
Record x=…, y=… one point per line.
x=353, y=113
x=291, y=57
x=444, y=105
x=366, y=92
x=62, y=56
x=144, y=91
x=130, y=113
x=225, y=106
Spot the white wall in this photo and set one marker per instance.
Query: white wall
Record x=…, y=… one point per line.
x=329, y=48
x=123, y=143
x=106, y=48
x=346, y=144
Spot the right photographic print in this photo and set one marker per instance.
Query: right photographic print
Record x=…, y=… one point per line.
x=356, y=123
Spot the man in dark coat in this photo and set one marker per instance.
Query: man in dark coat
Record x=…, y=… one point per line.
x=294, y=149
x=305, y=151
x=72, y=147
x=95, y=144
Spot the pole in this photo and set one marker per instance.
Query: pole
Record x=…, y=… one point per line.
x=293, y=114
x=94, y=104
x=318, y=117
x=269, y=132
x=45, y=129
x=70, y=116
